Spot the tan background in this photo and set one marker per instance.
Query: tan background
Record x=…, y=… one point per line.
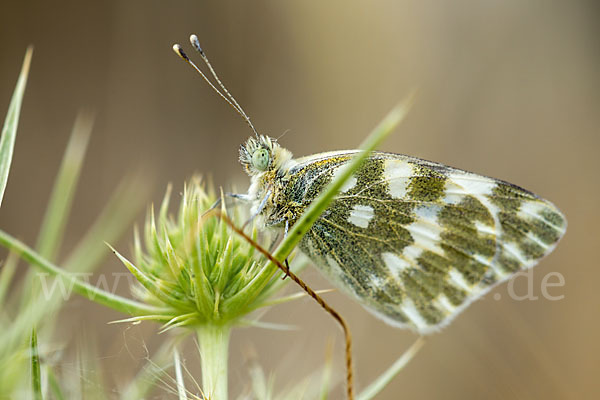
x=508, y=89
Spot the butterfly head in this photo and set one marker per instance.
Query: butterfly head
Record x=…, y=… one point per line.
x=263, y=154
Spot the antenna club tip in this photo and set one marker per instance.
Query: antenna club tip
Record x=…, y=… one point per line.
x=179, y=51
x=196, y=43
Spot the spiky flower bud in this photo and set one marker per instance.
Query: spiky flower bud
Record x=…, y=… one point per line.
x=196, y=266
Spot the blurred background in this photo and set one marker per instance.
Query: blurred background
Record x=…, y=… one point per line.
x=509, y=89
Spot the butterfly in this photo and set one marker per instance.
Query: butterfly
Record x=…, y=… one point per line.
x=413, y=241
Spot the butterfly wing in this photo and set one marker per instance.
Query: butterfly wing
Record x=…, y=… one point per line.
x=414, y=241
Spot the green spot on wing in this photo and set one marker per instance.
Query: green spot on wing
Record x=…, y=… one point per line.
x=553, y=217
x=434, y=264
x=509, y=197
x=531, y=249
x=461, y=240
x=507, y=263
x=422, y=288
x=545, y=232
x=472, y=210
x=455, y=295
x=472, y=270
x=532, y=233
x=513, y=227
x=427, y=186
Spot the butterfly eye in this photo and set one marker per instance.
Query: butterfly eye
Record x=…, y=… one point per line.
x=260, y=159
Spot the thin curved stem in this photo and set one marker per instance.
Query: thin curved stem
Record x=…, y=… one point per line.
x=311, y=293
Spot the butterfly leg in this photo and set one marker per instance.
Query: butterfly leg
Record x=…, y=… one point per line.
x=241, y=196
x=260, y=208
x=287, y=264
x=217, y=203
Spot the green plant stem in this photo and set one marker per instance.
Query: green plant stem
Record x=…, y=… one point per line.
x=381, y=382
x=213, y=342
x=88, y=291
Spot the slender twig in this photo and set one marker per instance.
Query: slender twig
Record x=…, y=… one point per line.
x=311, y=293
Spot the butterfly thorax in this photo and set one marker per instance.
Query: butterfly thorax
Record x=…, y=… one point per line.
x=268, y=165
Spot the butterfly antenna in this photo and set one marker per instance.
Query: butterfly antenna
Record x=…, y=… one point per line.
x=227, y=96
x=196, y=45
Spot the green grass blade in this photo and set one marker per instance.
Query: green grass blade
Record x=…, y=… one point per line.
x=9, y=130
x=116, y=302
x=7, y=271
x=59, y=206
x=110, y=224
x=66, y=282
x=54, y=385
x=36, y=380
x=377, y=386
x=86, y=256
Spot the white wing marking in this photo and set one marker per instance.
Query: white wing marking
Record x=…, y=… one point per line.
x=397, y=174
x=361, y=215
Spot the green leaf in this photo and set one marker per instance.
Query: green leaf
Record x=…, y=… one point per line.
x=9, y=130
x=59, y=206
x=36, y=380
